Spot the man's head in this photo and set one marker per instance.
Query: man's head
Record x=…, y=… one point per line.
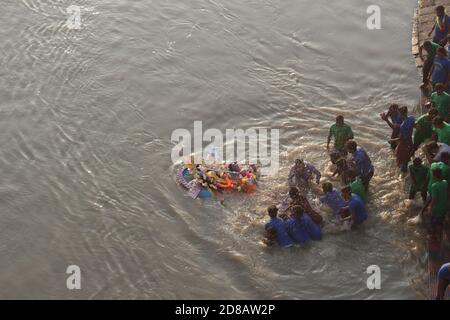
x=351, y=146
x=299, y=163
x=417, y=162
x=440, y=11
x=438, y=122
x=293, y=192
x=297, y=211
x=273, y=211
x=327, y=187
x=346, y=193
x=441, y=52
x=433, y=113
x=427, y=46
x=339, y=120
x=437, y=174
x=334, y=156
x=394, y=107
x=403, y=112
x=432, y=147
x=440, y=88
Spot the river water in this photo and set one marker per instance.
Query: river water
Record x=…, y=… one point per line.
x=86, y=121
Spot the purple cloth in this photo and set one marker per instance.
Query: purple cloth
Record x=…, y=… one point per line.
x=307, y=174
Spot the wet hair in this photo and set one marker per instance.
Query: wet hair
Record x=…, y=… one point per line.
x=351, y=145
x=403, y=110
x=293, y=191
x=346, y=189
x=438, y=120
x=417, y=161
x=340, y=118
x=297, y=210
x=327, y=187
x=437, y=173
x=273, y=211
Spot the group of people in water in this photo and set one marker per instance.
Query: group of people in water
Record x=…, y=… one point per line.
x=295, y=221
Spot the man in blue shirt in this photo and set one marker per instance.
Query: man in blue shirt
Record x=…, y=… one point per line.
x=405, y=147
x=332, y=198
x=441, y=68
x=301, y=228
x=356, y=208
x=276, y=228
x=395, y=121
x=441, y=25
x=363, y=162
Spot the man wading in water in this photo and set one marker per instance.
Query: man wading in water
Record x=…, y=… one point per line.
x=342, y=133
x=405, y=147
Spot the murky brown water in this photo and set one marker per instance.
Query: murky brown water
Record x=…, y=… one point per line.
x=86, y=120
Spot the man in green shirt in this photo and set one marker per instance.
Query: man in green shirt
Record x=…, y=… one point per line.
x=439, y=203
x=431, y=48
x=441, y=101
x=419, y=178
x=443, y=166
x=441, y=131
x=358, y=188
x=424, y=128
x=341, y=133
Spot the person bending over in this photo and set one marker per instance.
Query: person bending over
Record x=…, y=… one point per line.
x=299, y=199
x=431, y=48
x=301, y=228
x=439, y=204
x=276, y=229
x=419, y=178
x=332, y=198
x=356, y=208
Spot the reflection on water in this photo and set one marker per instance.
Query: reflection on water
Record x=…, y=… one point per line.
x=86, y=122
